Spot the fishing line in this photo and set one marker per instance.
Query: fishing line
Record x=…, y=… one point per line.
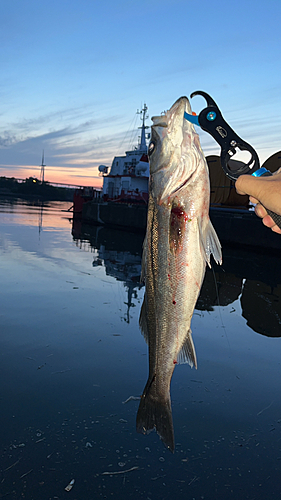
x=223, y=325
x=231, y=353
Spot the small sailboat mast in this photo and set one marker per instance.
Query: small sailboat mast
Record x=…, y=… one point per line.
x=42, y=173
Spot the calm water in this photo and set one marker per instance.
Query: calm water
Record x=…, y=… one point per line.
x=71, y=354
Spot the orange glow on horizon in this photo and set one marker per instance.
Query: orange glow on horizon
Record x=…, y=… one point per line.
x=73, y=176
x=48, y=217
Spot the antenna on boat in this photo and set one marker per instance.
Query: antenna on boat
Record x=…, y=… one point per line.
x=143, y=146
x=42, y=173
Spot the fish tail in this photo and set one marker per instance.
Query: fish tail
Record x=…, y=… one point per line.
x=156, y=413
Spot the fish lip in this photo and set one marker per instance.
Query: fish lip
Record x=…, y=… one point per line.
x=161, y=124
x=179, y=102
x=161, y=119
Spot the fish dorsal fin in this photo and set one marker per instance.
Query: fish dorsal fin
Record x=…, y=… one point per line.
x=143, y=320
x=187, y=353
x=209, y=242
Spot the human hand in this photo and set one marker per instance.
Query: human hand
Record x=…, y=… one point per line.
x=265, y=192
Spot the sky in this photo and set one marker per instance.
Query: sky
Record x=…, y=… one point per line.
x=74, y=73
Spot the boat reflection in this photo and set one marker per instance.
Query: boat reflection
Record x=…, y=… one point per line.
x=251, y=278
x=118, y=251
x=123, y=266
x=255, y=280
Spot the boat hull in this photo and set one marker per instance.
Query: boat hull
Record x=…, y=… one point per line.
x=124, y=215
x=233, y=225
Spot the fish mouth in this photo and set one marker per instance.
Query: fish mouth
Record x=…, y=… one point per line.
x=180, y=106
x=158, y=123
x=162, y=120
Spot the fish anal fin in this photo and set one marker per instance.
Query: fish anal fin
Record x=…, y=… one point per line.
x=209, y=242
x=187, y=353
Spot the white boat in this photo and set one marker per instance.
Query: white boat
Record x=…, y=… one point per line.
x=127, y=180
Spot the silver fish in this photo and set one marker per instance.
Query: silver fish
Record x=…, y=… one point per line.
x=179, y=241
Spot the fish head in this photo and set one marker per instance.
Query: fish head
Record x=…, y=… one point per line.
x=174, y=151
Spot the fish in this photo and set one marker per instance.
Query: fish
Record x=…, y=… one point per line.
x=178, y=243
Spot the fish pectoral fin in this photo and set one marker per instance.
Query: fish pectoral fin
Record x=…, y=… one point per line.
x=143, y=320
x=187, y=353
x=209, y=242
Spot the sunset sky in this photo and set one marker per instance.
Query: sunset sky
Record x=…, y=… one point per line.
x=74, y=72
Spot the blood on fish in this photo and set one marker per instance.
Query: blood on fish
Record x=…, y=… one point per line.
x=178, y=212
x=174, y=302
x=178, y=218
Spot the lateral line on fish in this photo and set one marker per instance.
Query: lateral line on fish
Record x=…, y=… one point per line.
x=154, y=267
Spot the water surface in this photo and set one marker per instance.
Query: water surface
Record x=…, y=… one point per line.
x=71, y=355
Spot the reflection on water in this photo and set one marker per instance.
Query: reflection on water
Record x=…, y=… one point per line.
x=71, y=355
x=123, y=266
x=254, y=281
x=119, y=252
x=31, y=213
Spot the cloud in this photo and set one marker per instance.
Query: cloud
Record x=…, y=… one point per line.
x=71, y=152
x=6, y=140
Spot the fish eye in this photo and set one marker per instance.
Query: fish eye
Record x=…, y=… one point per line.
x=151, y=148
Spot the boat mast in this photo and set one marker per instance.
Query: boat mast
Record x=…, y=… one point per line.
x=143, y=146
x=42, y=173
